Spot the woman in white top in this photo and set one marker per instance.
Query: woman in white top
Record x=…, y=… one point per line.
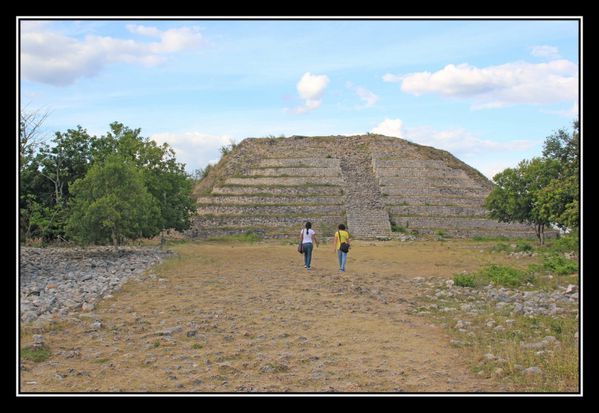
x=307, y=236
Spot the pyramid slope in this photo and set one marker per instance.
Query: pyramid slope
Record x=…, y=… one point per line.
x=371, y=183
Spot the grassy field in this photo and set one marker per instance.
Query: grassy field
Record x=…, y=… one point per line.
x=245, y=316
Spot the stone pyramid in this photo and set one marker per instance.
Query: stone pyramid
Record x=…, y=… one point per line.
x=377, y=186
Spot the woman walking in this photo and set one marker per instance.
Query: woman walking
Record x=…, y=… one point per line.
x=307, y=237
x=342, y=241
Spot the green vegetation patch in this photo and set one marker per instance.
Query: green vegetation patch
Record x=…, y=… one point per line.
x=464, y=280
x=398, y=228
x=501, y=247
x=248, y=236
x=506, y=276
x=36, y=354
x=560, y=265
x=570, y=243
x=523, y=246
x=498, y=275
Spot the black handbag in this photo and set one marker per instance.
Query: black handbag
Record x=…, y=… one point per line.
x=344, y=247
x=300, y=247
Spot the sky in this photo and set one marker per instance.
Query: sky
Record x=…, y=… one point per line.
x=488, y=91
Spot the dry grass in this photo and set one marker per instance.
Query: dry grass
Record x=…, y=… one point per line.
x=252, y=318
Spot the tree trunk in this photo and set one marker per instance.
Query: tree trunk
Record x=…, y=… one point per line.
x=114, y=241
x=542, y=234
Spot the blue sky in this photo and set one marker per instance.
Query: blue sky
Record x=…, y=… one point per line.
x=488, y=91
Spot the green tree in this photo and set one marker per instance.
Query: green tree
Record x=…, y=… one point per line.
x=111, y=203
x=45, y=179
x=163, y=176
x=559, y=199
x=564, y=146
x=559, y=202
x=67, y=160
x=542, y=191
x=515, y=196
x=48, y=172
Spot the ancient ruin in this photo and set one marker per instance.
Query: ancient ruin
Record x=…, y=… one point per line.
x=380, y=187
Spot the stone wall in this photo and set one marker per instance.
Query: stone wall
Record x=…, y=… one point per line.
x=270, y=200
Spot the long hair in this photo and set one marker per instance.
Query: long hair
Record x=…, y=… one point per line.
x=308, y=225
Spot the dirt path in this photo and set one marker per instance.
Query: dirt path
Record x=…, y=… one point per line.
x=229, y=318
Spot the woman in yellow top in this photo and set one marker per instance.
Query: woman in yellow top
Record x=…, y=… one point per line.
x=342, y=236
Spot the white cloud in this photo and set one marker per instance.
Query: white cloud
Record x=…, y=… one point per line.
x=458, y=141
x=390, y=127
x=310, y=88
x=54, y=58
x=194, y=149
x=487, y=156
x=545, y=52
x=497, y=86
x=490, y=169
x=366, y=95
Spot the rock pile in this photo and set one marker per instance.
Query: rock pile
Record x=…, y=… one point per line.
x=514, y=300
x=57, y=281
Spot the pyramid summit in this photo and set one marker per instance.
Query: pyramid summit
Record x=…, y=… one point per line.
x=376, y=185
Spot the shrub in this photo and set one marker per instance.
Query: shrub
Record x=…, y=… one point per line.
x=505, y=276
x=523, y=246
x=501, y=247
x=560, y=265
x=464, y=280
x=398, y=228
x=250, y=236
x=568, y=243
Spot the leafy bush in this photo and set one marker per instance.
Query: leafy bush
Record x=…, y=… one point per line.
x=523, y=246
x=227, y=149
x=464, y=280
x=505, y=276
x=568, y=243
x=442, y=235
x=501, y=247
x=560, y=265
x=398, y=228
